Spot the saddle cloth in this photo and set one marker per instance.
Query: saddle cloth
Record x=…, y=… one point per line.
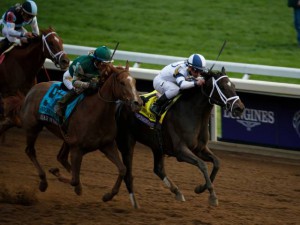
x=146, y=116
x=55, y=93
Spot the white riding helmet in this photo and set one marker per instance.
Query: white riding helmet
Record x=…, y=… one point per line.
x=197, y=61
x=30, y=8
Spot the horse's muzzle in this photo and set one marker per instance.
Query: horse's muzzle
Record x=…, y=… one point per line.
x=238, y=108
x=64, y=62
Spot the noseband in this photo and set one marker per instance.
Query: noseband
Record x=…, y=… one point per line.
x=224, y=99
x=55, y=57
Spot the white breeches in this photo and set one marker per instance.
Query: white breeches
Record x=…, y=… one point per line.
x=168, y=88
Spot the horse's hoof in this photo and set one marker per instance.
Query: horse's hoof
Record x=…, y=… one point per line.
x=54, y=171
x=107, y=197
x=180, y=197
x=78, y=189
x=43, y=186
x=133, y=201
x=200, y=188
x=213, y=201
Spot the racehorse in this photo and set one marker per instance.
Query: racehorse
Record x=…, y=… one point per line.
x=21, y=66
x=183, y=134
x=91, y=126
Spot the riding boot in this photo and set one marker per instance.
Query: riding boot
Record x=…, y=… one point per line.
x=157, y=107
x=61, y=104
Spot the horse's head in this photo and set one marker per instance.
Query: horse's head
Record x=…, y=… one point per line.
x=53, y=48
x=221, y=91
x=123, y=86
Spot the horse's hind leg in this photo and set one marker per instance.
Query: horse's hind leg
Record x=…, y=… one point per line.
x=31, y=153
x=159, y=170
x=112, y=154
x=208, y=156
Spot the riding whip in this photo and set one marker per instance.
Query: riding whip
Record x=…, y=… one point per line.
x=221, y=50
x=114, y=51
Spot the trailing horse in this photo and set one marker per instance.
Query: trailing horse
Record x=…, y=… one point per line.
x=91, y=126
x=20, y=68
x=183, y=133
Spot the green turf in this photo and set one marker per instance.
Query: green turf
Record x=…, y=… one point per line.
x=257, y=31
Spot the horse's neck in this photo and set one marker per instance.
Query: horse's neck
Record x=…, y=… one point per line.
x=36, y=52
x=198, y=103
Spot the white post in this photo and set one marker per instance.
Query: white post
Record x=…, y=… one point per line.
x=213, y=124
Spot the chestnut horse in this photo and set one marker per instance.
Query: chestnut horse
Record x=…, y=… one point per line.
x=20, y=68
x=184, y=133
x=91, y=126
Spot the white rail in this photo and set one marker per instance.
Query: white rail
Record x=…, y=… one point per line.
x=246, y=69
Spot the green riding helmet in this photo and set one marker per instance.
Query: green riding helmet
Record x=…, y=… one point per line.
x=103, y=54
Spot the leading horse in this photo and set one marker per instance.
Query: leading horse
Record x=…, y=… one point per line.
x=20, y=68
x=91, y=126
x=183, y=134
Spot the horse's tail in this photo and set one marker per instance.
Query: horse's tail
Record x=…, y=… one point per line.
x=12, y=107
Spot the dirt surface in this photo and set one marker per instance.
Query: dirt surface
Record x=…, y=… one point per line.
x=251, y=190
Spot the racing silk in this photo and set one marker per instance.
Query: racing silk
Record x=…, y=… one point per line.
x=177, y=73
x=81, y=69
x=13, y=23
x=173, y=78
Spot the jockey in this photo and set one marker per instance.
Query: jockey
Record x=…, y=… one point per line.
x=178, y=76
x=13, y=21
x=84, y=72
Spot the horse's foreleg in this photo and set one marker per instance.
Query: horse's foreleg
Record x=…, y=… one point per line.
x=31, y=152
x=159, y=170
x=112, y=154
x=62, y=157
x=187, y=156
x=76, y=160
x=208, y=156
x=126, y=147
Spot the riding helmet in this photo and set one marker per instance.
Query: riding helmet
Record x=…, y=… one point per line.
x=103, y=54
x=197, y=61
x=30, y=8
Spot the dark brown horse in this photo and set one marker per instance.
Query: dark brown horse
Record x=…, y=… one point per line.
x=184, y=133
x=91, y=126
x=21, y=66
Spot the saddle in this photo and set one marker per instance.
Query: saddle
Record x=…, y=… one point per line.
x=54, y=94
x=146, y=116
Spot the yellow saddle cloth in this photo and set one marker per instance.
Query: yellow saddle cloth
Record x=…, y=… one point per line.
x=146, y=116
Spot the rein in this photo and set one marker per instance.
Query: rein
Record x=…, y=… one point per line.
x=224, y=99
x=55, y=57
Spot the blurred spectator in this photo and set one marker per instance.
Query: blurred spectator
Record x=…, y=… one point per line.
x=296, y=5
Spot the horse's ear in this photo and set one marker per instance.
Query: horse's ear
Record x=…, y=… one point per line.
x=223, y=70
x=127, y=66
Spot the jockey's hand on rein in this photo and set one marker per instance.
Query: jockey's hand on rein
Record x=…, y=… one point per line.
x=93, y=85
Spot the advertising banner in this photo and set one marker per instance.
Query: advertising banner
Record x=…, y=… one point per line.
x=267, y=120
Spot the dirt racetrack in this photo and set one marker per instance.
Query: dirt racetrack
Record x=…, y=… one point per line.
x=251, y=190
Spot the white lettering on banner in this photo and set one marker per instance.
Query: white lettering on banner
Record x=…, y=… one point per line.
x=253, y=117
x=296, y=122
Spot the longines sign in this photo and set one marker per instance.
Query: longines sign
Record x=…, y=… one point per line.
x=267, y=120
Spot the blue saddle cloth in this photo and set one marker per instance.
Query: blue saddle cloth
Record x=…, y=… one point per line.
x=55, y=93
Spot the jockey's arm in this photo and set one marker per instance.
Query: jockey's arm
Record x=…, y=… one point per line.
x=184, y=84
x=34, y=26
x=67, y=79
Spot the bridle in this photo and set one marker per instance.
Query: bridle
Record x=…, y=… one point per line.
x=55, y=57
x=224, y=100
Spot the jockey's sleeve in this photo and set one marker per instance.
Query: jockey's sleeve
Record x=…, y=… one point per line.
x=184, y=84
x=34, y=26
x=10, y=31
x=67, y=79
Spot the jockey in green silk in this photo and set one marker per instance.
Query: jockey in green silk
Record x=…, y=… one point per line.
x=84, y=72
